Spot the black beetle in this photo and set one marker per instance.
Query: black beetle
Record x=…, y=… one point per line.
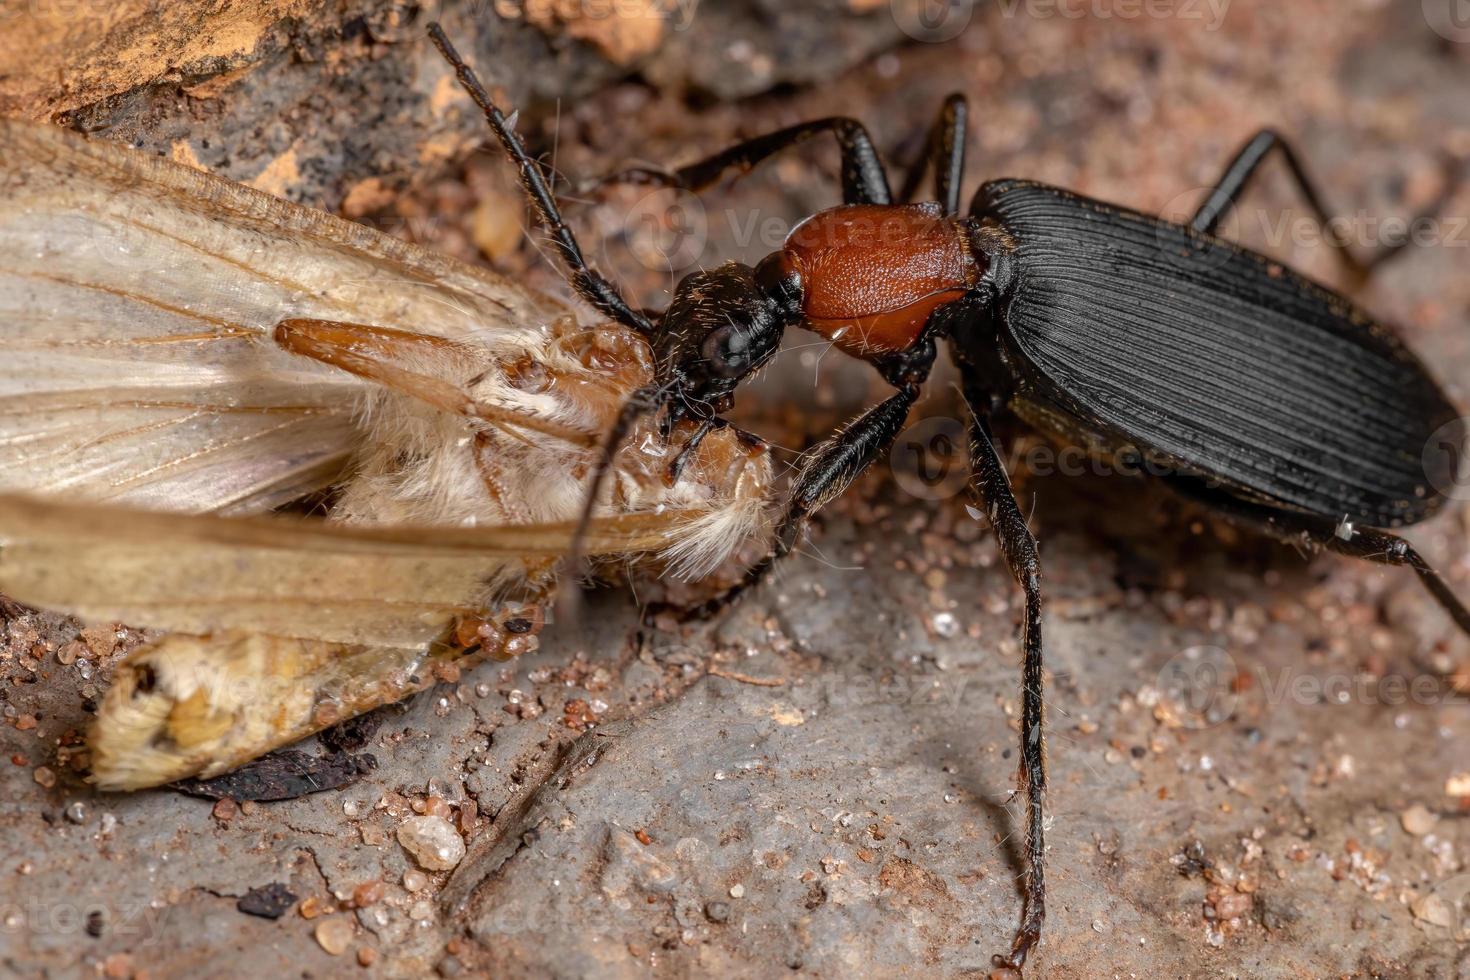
x=1246, y=386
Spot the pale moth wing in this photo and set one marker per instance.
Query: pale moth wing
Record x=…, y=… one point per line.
x=137, y=302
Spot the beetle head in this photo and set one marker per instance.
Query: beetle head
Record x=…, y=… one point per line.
x=721, y=327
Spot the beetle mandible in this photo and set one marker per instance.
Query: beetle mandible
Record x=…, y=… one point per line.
x=1246, y=386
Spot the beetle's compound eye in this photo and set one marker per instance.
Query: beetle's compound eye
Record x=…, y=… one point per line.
x=727, y=351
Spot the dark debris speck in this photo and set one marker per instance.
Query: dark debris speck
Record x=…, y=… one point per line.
x=268, y=902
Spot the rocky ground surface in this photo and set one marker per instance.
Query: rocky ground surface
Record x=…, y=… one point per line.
x=1258, y=763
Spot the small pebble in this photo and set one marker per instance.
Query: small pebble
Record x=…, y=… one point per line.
x=415, y=881
x=367, y=893
x=373, y=835
x=433, y=842
x=313, y=907
x=1458, y=784
x=76, y=811
x=1418, y=820
x=335, y=934
x=717, y=911
x=366, y=956
x=44, y=777
x=945, y=625
x=1232, y=905
x=737, y=891
x=1435, y=910
x=118, y=966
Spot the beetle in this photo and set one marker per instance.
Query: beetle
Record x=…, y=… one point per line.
x=1244, y=385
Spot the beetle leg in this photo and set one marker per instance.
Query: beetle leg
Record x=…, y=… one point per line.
x=1237, y=175
x=691, y=446
x=1384, y=548
x=945, y=148
x=592, y=287
x=991, y=489
x=864, y=180
x=1366, y=543
x=827, y=472
x=643, y=402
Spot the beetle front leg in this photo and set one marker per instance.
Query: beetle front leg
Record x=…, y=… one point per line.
x=991, y=489
x=1237, y=176
x=828, y=471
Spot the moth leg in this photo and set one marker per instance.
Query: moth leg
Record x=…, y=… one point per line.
x=1365, y=543
x=592, y=287
x=827, y=472
x=991, y=489
x=864, y=181
x=1237, y=176
x=945, y=148
x=394, y=358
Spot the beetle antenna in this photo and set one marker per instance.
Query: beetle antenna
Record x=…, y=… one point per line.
x=596, y=290
x=641, y=404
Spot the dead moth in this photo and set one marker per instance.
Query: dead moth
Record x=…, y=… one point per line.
x=181, y=355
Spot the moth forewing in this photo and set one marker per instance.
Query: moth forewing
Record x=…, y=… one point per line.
x=172, y=341
x=285, y=626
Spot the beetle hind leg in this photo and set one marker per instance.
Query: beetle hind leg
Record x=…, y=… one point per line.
x=1239, y=172
x=1384, y=548
x=1318, y=533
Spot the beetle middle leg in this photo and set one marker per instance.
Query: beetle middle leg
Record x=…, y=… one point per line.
x=864, y=181
x=991, y=488
x=829, y=470
x=1237, y=176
